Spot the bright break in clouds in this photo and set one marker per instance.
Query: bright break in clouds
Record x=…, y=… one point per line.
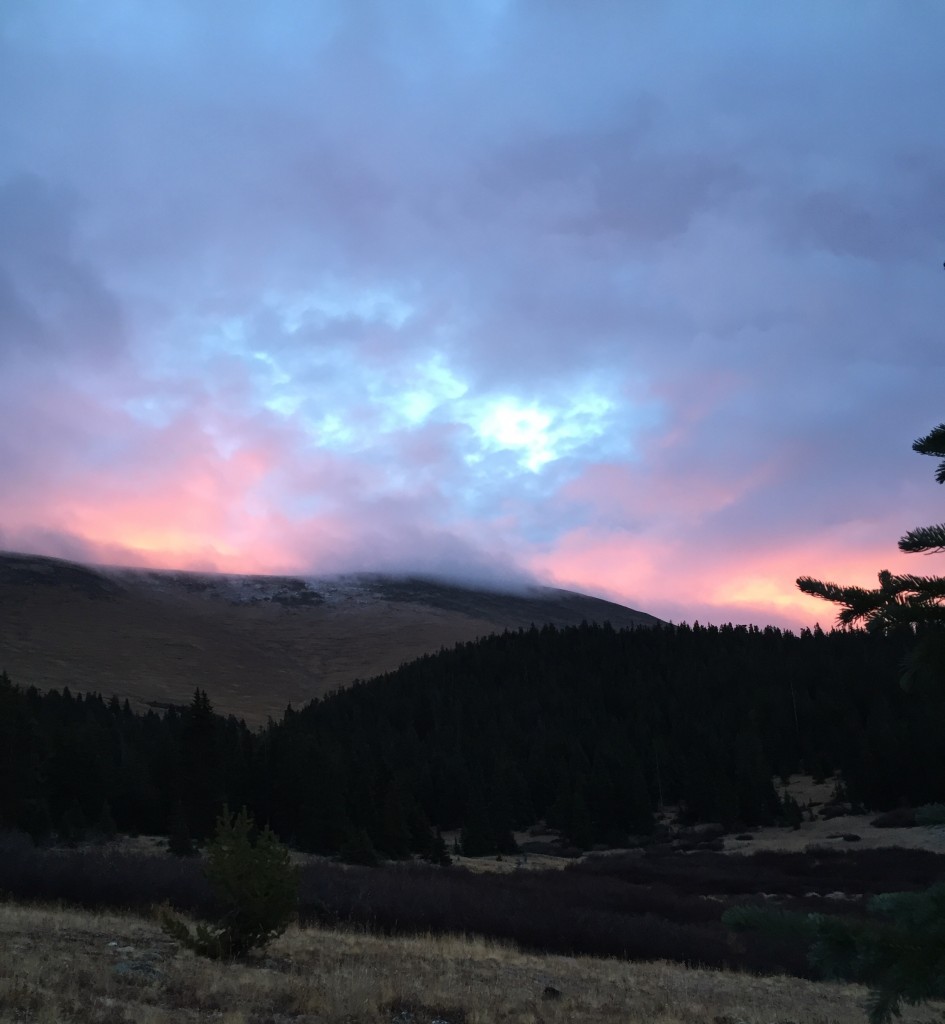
x=640, y=298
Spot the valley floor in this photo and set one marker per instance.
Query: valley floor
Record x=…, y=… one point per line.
x=77, y=966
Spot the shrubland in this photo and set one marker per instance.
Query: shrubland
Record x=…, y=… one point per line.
x=637, y=906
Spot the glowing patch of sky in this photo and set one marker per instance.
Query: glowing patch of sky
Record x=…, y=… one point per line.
x=536, y=433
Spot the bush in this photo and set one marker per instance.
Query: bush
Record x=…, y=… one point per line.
x=898, y=951
x=256, y=886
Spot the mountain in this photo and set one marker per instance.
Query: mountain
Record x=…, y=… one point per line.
x=254, y=643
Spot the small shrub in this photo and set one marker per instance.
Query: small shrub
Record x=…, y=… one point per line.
x=255, y=884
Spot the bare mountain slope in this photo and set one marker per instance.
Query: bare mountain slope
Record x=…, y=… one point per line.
x=254, y=643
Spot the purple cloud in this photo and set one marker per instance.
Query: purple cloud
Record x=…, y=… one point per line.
x=583, y=293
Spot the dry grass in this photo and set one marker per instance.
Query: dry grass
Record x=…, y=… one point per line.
x=149, y=646
x=65, y=965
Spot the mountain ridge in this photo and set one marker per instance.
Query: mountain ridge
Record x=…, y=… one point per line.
x=254, y=643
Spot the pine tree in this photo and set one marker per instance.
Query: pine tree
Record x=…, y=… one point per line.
x=36, y=820
x=73, y=825
x=437, y=852
x=477, y=837
x=900, y=952
x=256, y=886
x=904, y=601
x=203, y=792
x=358, y=849
x=395, y=838
x=105, y=826
x=179, y=841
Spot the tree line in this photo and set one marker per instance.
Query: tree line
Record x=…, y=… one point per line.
x=588, y=728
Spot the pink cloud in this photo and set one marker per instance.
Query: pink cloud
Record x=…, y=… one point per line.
x=679, y=581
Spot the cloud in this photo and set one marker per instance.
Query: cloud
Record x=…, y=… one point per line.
x=517, y=285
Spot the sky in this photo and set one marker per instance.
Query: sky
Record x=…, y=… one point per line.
x=640, y=298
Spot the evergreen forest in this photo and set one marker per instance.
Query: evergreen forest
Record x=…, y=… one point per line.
x=588, y=728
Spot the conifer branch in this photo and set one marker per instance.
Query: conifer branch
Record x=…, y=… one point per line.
x=924, y=538
x=933, y=444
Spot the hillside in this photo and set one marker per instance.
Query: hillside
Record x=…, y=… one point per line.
x=256, y=643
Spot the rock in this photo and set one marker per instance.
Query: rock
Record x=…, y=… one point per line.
x=850, y=837
x=137, y=969
x=551, y=992
x=829, y=811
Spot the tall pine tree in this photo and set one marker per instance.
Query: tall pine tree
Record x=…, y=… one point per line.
x=900, y=951
x=905, y=600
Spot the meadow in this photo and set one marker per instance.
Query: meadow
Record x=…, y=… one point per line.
x=617, y=937
x=103, y=967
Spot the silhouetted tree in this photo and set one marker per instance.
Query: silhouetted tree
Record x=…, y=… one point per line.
x=179, y=840
x=202, y=792
x=105, y=826
x=358, y=849
x=73, y=825
x=906, y=600
x=900, y=952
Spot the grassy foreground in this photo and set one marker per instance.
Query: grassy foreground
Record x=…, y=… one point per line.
x=80, y=966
